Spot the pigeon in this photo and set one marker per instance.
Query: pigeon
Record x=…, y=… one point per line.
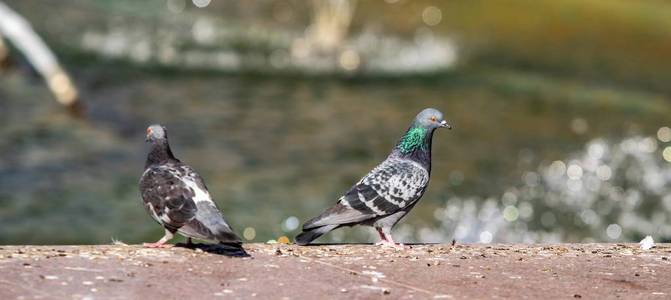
x=176, y=197
x=386, y=194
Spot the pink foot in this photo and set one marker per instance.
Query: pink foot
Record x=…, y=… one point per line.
x=156, y=245
x=391, y=245
x=387, y=241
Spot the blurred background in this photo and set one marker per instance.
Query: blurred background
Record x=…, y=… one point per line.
x=561, y=112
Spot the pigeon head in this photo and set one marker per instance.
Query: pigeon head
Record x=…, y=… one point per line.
x=431, y=118
x=418, y=136
x=159, y=152
x=156, y=133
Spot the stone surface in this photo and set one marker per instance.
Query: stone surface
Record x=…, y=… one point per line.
x=278, y=271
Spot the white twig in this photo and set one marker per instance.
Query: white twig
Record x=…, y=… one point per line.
x=19, y=32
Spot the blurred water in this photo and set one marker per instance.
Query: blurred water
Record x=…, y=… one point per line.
x=276, y=150
x=533, y=157
x=266, y=36
x=617, y=191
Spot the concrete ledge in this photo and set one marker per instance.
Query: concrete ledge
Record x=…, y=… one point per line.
x=595, y=271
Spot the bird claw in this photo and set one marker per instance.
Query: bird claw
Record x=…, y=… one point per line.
x=156, y=245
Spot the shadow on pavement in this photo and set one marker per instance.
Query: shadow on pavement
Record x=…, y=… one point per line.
x=219, y=249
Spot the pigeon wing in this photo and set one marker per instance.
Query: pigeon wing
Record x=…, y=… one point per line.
x=209, y=223
x=166, y=198
x=390, y=187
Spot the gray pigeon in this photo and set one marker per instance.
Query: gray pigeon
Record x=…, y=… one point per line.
x=176, y=197
x=386, y=194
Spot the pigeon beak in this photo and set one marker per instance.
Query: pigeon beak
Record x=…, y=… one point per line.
x=444, y=124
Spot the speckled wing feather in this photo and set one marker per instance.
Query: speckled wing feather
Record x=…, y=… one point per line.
x=393, y=185
x=166, y=198
x=176, y=197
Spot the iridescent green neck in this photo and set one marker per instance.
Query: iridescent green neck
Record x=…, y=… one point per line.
x=412, y=139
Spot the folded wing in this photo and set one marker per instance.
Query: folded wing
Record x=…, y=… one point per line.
x=390, y=187
x=176, y=197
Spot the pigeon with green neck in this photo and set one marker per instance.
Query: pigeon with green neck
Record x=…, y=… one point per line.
x=386, y=194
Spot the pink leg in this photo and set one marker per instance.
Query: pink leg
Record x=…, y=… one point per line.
x=162, y=242
x=394, y=244
x=383, y=237
x=387, y=240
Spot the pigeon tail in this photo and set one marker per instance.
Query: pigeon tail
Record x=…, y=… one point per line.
x=338, y=214
x=218, y=231
x=229, y=238
x=312, y=234
x=223, y=233
x=230, y=249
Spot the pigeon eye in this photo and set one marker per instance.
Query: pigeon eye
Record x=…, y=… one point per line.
x=148, y=130
x=433, y=118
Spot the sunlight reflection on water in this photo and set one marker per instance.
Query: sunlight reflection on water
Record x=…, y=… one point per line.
x=616, y=191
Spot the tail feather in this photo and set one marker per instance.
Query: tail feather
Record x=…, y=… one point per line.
x=230, y=249
x=312, y=234
x=338, y=214
x=217, y=232
x=229, y=237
